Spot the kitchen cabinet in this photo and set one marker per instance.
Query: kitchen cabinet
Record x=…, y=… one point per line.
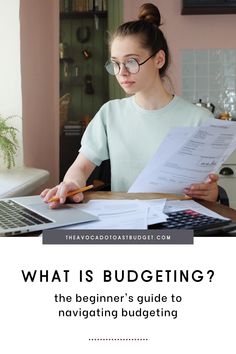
x=84, y=83
x=83, y=51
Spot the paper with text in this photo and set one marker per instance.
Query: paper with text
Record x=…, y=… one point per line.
x=186, y=156
x=123, y=214
x=115, y=214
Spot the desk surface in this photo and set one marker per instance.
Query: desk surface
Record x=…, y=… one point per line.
x=218, y=208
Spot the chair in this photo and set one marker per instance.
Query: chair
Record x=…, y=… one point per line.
x=101, y=177
x=223, y=197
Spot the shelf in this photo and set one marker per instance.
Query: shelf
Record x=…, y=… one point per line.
x=67, y=60
x=86, y=82
x=82, y=14
x=208, y=7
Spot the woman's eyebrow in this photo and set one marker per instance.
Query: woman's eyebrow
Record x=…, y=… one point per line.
x=126, y=56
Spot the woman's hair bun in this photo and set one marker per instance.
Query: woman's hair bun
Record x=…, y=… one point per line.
x=150, y=13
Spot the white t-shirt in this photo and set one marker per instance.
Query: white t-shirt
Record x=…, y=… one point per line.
x=129, y=135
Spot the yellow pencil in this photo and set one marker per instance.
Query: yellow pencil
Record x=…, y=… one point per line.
x=69, y=194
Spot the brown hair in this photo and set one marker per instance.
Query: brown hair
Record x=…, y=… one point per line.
x=147, y=26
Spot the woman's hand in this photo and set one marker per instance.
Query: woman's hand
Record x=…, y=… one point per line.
x=75, y=178
x=206, y=191
x=60, y=191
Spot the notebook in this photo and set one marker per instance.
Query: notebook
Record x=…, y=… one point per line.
x=29, y=214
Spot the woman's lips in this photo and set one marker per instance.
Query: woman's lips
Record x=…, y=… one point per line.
x=127, y=83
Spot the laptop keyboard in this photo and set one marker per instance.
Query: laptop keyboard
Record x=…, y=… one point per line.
x=13, y=215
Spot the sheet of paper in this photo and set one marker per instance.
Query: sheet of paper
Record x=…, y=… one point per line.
x=155, y=211
x=123, y=214
x=115, y=214
x=129, y=220
x=187, y=156
x=109, y=206
x=176, y=205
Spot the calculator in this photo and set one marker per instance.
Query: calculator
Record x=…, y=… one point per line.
x=191, y=220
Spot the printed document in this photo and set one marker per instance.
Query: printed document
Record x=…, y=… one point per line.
x=134, y=214
x=115, y=214
x=122, y=214
x=186, y=156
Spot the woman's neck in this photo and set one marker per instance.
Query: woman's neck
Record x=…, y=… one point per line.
x=153, y=100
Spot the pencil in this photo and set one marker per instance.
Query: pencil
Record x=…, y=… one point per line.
x=69, y=194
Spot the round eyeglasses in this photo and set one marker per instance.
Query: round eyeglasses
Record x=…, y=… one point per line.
x=131, y=65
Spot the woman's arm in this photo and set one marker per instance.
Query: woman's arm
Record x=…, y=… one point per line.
x=75, y=178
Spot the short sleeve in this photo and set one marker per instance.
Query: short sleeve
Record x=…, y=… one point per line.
x=94, y=141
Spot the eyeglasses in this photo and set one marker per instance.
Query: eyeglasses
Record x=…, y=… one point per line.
x=131, y=65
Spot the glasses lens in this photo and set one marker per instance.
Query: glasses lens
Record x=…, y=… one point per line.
x=132, y=66
x=112, y=67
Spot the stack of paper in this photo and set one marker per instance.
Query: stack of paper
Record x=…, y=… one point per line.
x=123, y=214
x=134, y=214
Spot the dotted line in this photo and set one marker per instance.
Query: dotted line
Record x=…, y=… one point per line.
x=119, y=339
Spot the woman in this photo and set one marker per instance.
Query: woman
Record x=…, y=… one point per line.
x=128, y=131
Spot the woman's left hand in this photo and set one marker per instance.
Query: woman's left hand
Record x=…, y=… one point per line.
x=206, y=191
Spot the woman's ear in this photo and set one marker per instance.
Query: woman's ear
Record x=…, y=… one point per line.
x=160, y=59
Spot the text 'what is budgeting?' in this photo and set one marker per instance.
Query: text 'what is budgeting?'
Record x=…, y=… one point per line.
x=118, y=276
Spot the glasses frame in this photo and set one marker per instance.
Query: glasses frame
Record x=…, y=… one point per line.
x=124, y=63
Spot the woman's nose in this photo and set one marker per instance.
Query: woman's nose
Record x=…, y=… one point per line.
x=123, y=69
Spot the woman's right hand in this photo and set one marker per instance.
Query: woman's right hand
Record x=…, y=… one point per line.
x=60, y=191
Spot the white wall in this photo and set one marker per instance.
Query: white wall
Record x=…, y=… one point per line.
x=10, y=73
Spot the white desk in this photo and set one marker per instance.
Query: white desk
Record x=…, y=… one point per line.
x=21, y=181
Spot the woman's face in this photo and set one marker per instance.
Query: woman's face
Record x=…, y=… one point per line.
x=125, y=48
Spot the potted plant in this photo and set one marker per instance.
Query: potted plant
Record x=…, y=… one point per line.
x=8, y=142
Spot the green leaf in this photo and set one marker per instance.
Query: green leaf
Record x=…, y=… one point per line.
x=8, y=142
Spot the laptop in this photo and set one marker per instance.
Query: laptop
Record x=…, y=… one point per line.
x=23, y=215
